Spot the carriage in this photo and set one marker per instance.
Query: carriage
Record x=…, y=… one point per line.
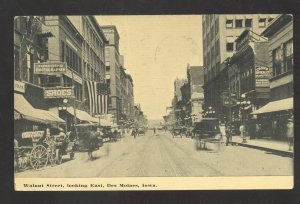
x=89, y=139
x=41, y=149
x=179, y=131
x=207, y=131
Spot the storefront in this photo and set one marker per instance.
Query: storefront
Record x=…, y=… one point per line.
x=29, y=119
x=272, y=118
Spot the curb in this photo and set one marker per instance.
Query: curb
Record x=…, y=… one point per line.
x=280, y=152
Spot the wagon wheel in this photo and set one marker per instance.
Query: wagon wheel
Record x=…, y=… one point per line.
x=58, y=156
x=38, y=157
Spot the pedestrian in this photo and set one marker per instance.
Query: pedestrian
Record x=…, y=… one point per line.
x=242, y=131
x=16, y=152
x=290, y=132
x=258, y=131
x=154, y=130
x=228, y=134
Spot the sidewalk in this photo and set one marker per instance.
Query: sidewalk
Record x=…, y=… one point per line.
x=264, y=144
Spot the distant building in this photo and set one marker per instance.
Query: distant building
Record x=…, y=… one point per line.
x=130, y=97
x=196, y=80
x=113, y=70
x=178, y=83
x=121, y=102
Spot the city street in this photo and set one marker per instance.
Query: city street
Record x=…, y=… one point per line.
x=164, y=156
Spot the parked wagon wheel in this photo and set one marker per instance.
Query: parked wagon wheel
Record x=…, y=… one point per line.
x=39, y=157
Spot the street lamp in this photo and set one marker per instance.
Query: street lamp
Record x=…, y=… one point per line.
x=211, y=111
x=64, y=107
x=243, y=104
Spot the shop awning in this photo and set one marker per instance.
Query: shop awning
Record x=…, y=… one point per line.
x=103, y=121
x=28, y=112
x=274, y=106
x=81, y=115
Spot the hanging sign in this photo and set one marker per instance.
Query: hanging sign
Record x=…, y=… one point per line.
x=262, y=76
x=33, y=134
x=19, y=86
x=59, y=92
x=50, y=68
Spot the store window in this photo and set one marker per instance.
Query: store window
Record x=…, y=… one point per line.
x=248, y=23
x=262, y=22
x=229, y=23
x=229, y=47
x=239, y=23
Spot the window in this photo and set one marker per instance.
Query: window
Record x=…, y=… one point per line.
x=218, y=67
x=229, y=47
x=270, y=19
x=107, y=66
x=217, y=25
x=62, y=51
x=229, y=23
x=217, y=48
x=17, y=65
x=277, y=59
x=238, y=23
x=288, y=55
x=262, y=22
x=29, y=58
x=208, y=58
x=248, y=23
x=109, y=101
x=212, y=33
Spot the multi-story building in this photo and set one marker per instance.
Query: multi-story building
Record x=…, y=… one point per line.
x=274, y=115
x=130, y=97
x=121, y=101
x=195, y=75
x=66, y=47
x=178, y=83
x=30, y=107
x=93, y=46
x=113, y=70
x=219, y=34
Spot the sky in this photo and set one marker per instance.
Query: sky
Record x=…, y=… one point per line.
x=156, y=51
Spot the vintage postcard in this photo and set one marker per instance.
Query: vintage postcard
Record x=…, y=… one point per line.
x=153, y=102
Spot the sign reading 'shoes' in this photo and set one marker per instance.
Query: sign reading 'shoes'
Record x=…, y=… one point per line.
x=50, y=68
x=59, y=92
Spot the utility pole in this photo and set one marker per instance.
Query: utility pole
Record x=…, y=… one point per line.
x=230, y=103
x=74, y=103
